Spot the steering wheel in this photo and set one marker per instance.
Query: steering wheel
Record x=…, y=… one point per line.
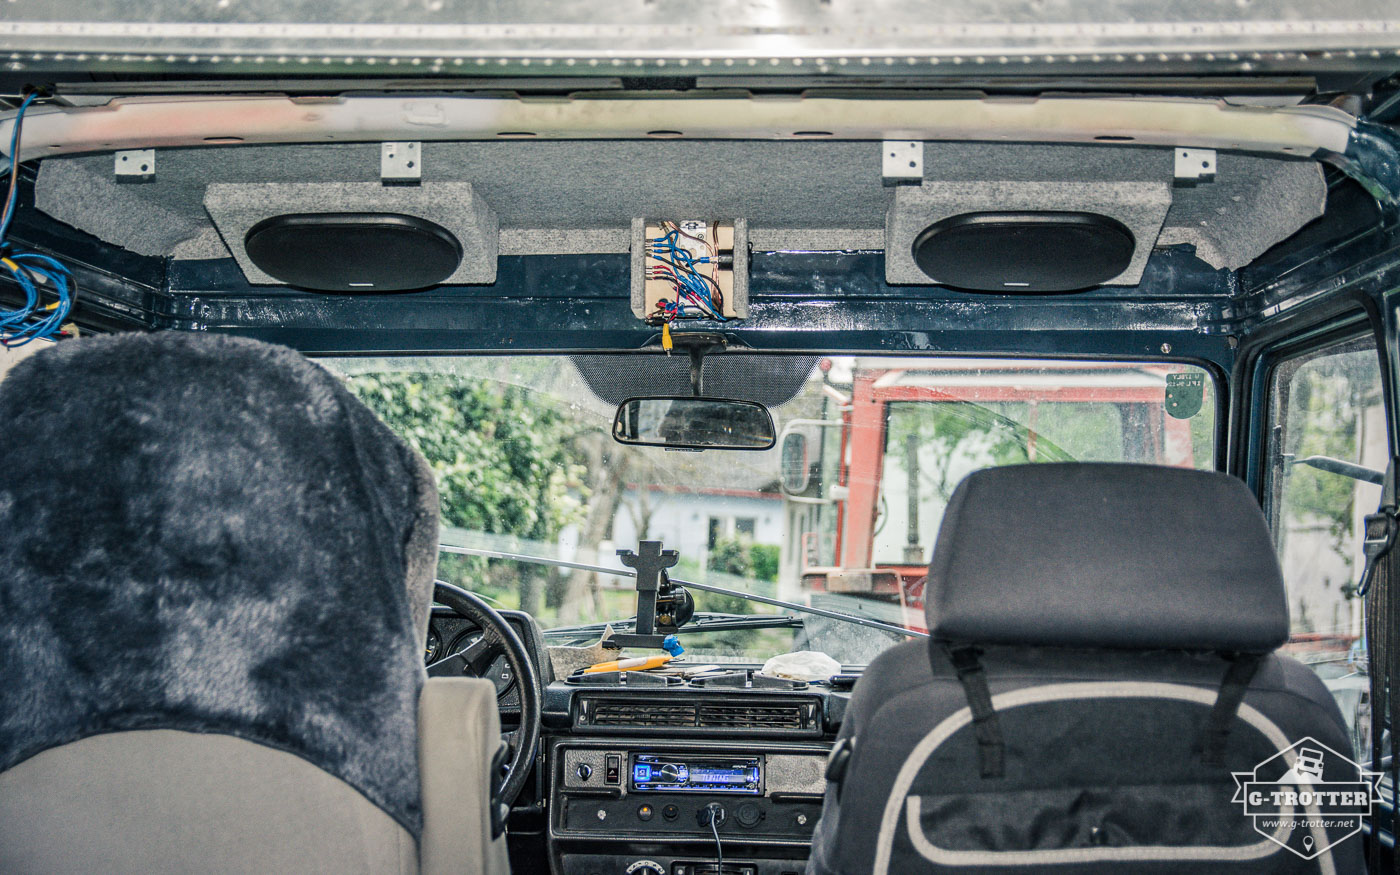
x=497, y=637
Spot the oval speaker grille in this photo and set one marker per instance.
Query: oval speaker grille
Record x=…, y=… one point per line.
x=1019, y=253
x=353, y=252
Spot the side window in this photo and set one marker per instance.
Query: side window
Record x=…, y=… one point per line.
x=1327, y=453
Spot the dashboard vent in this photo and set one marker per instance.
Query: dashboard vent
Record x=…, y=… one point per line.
x=606, y=713
x=795, y=716
x=736, y=716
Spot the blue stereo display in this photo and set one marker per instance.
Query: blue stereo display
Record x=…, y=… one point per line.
x=670, y=774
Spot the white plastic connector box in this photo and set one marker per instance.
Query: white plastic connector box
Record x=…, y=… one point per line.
x=702, y=239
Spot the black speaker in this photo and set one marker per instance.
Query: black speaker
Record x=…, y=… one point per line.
x=353, y=252
x=1020, y=253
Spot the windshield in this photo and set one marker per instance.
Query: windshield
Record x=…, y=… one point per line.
x=841, y=515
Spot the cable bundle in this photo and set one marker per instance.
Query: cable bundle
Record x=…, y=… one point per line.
x=695, y=295
x=38, y=276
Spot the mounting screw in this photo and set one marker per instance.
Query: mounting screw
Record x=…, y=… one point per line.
x=1166, y=348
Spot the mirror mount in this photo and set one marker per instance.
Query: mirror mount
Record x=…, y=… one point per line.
x=698, y=344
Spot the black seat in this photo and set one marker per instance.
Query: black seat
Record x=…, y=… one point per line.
x=1077, y=708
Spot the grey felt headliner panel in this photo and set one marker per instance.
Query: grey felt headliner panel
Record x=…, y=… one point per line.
x=795, y=194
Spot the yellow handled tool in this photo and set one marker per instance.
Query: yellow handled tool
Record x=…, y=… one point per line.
x=640, y=663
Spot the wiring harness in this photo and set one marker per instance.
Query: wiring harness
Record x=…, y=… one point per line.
x=674, y=258
x=48, y=286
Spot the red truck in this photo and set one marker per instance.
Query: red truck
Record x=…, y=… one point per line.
x=866, y=484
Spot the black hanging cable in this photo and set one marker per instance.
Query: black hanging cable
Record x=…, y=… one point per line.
x=716, y=815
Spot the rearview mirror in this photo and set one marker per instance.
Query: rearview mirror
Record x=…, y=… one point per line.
x=694, y=424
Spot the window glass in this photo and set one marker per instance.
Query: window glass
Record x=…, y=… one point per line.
x=944, y=421
x=841, y=514
x=1327, y=445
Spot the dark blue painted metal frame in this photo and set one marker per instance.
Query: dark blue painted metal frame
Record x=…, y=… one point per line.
x=799, y=301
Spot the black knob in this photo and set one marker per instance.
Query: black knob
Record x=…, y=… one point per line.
x=584, y=771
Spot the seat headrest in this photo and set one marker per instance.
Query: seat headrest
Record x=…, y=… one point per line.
x=211, y=534
x=1106, y=555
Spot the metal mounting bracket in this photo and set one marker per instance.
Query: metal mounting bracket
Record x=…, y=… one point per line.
x=401, y=163
x=135, y=165
x=1194, y=166
x=902, y=162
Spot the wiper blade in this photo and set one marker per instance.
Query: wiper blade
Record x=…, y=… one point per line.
x=701, y=622
x=703, y=587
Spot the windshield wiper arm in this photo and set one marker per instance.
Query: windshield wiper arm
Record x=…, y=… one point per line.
x=1344, y=468
x=703, y=587
x=701, y=622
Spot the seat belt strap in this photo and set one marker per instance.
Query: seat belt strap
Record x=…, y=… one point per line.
x=1377, y=584
x=991, y=750
x=1379, y=531
x=1210, y=745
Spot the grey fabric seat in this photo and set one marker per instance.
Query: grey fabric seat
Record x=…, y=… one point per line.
x=1103, y=606
x=218, y=572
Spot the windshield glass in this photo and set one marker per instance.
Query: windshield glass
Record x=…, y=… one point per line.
x=841, y=514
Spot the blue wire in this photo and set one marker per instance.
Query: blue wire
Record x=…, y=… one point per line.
x=690, y=285
x=53, y=274
x=29, y=270
x=14, y=166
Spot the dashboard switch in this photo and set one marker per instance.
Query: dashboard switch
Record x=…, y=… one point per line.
x=612, y=769
x=584, y=771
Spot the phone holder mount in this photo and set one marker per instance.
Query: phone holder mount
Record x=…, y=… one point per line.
x=662, y=606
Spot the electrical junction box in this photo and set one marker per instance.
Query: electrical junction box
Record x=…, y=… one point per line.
x=689, y=270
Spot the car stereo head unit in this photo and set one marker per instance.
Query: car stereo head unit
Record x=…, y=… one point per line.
x=659, y=773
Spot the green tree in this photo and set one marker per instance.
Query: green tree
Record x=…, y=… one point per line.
x=506, y=460
x=765, y=559
x=1327, y=400
x=961, y=430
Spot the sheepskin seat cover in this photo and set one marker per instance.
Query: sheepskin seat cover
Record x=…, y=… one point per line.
x=210, y=534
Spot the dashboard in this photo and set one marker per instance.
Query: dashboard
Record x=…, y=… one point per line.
x=629, y=766
x=634, y=767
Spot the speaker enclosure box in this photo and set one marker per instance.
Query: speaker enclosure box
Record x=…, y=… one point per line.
x=455, y=207
x=1139, y=206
